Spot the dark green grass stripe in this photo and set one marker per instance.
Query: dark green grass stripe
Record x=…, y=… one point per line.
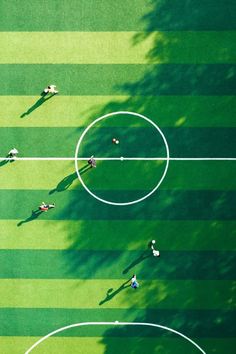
x=118, y=79
x=192, y=111
x=74, y=264
x=77, y=111
x=104, y=15
x=39, y=322
x=174, y=14
x=145, y=142
x=79, y=205
x=61, y=142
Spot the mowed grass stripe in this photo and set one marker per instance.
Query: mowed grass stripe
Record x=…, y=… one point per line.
x=79, y=205
x=119, y=235
x=90, y=345
x=62, y=142
x=122, y=15
x=80, y=111
x=61, y=176
x=98, y=47
x=38, y=322
x=93, y=293
x=119, y=79
x=74, y=48
x=77, y=264
x=146, y=175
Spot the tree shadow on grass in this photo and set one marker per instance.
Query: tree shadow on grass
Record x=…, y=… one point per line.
x=181, y=84
x=37, y=104
x=173, y=265
x=192, y=323
x=168, y=205
x=35, y=214
x=98, y=258
x=173, y=15
x=187, y=78
x=112, y=293
x=199, y=266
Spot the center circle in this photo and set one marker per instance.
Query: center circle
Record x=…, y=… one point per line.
x=77, y=150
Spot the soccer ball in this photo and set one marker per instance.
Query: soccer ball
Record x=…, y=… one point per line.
x=153, y=242
x=117, y=141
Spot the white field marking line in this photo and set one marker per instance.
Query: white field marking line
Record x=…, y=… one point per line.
x=119, y=158
x=116, y=323
x=77, y=154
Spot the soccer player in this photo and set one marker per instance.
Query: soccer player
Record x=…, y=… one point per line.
x=50, y=89
x=92, y=162
x=155, y=253
x=46, y=207
x=13, y=153
x=134, y=284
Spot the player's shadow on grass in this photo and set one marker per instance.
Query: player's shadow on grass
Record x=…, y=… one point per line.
x=67, y=181
x=4, y=162
x=35, y=214
x=84, y=169
x=37, y=104
x=110, y=293
x=141, y=258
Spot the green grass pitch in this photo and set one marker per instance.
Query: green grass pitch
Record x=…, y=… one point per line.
x=173, y=62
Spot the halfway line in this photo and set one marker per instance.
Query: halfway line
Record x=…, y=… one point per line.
x=119, y=158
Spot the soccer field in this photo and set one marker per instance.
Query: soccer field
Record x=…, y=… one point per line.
x=161, y=76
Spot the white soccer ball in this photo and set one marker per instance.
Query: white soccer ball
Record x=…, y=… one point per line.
x=117, y=142
x=153, y=241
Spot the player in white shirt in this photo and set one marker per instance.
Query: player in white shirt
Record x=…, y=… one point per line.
x=155, y=253
x=50, y=89
x=13, y=153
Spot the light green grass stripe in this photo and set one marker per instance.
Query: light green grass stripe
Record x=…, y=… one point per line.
x=99, y=345
x=45, y=175
x=117, y=47
x=73, y=48
x=58, y=176
x=69, y=294
x=79, y=111
x=172, y=236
